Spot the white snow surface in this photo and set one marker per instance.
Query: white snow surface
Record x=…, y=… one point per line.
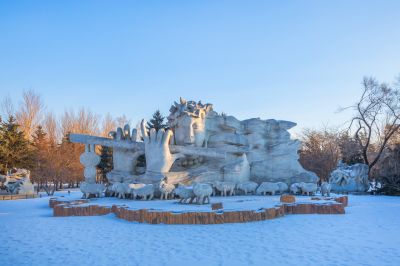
x=234, y=203
x=368, y=234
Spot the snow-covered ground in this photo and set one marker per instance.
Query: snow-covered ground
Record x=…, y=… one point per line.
x=368, y=234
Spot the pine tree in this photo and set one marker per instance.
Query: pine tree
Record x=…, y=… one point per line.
x=14, y=149
x=40, y=150
x=157, y=122
x=39, y=138
x=106, y=162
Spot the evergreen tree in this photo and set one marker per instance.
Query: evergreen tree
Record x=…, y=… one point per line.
x=14, y=149
x=157, y=121
x=106, y=162
x=39, y=139
x=40, y=155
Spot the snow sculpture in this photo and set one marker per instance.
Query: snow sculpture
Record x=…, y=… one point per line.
x=283, y=187
x=202, y=192
x=17, y=181
x=146, y=192
x=353, y=178
x=201, y=146
x=90, y=160
x=92, y=189
x=308, y=188
x=226, y=188
x=166, y=189
x=247, y=187
x=326, y=189
x=185, y=194
x=295, y=188
x=374, y=187
x=267, y=187
x=121, y=189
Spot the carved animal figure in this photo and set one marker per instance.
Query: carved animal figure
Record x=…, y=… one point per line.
x=185, y=194
x=146, y=192
x=212, y=184
x=134, y=186
x=96, y=189
x=308, y=188
x=247, y=187
x=267, y=187
x=121, y=189
x=166, y=189
x=283, y=187
x=326, y=189
x=225, y=188
x=109, y=191
x=202, y=192
x=295, y=188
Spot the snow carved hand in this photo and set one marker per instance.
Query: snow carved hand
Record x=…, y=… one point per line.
x=158, y=156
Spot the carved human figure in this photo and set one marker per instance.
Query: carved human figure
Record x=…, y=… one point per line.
x=188, y=119
x=193, y=126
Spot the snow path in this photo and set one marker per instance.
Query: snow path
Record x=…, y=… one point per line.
x=368, y=234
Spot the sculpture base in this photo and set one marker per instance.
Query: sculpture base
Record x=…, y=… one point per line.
x=63, y=207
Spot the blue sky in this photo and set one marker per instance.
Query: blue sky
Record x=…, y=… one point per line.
x=292, y=60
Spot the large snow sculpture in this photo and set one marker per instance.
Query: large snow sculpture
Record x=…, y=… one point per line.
x=203, y=146
x=353, y=178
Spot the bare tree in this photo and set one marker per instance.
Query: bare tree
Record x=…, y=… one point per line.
x=377, y=118
x=29, y=113
x=109, y=124
x=84, y=122
x=122, y=120
x=7, y=106
x=320, y=151
x=51, y=127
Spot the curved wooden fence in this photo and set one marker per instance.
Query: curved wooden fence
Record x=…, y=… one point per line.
x=82, y=208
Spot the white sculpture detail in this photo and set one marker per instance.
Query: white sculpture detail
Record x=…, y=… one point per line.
x=295, y=188
x=283, y=187
x=353, y=178
x=166, y=189
x=146, y=192
x=17, y=181
x=326, y=189
x=121, y=190
x=202, y=192
x=267, y=187
x=247, y=187
x=308, y=188
x=92, y=189
x=90, y=160
x=226, y=188
x=185, y=194
x=201, y=146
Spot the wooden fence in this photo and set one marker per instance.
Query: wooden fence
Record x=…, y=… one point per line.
x=17, y=196
x=82, y=208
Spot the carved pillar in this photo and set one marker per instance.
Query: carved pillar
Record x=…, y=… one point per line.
x=89, y=159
